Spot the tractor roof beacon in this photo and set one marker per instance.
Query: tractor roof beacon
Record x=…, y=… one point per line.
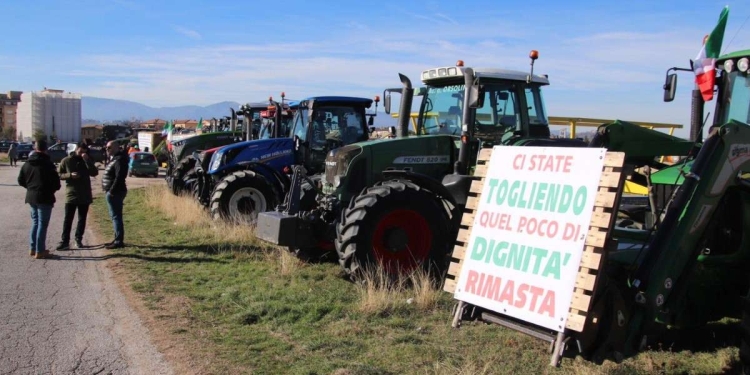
x=252, y=177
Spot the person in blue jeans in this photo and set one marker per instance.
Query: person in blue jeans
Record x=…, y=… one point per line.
x=39, y=176
x=113, y=184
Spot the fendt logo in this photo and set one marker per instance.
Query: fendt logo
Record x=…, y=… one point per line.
x=419, y=159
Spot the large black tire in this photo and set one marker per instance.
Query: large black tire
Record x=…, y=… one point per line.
x=745, y=337
x=179, y=173
x=241, y=196
x=398, y=225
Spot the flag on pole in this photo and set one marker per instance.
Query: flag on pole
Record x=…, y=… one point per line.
x=704, y=65
x=200, y=124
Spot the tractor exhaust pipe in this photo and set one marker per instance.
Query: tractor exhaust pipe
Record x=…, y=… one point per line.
x=233, y=121
x=696, y=116
x=404, y=116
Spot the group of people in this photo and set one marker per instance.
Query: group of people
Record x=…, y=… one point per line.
x=42, y=179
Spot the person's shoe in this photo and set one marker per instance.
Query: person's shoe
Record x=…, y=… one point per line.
x=114, y=245
x=32, y=252
x=79, y=244
x=63, y=246
x=43, y=255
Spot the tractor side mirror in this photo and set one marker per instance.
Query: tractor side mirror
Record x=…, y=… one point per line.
x=371, y=121
x=392, y=129
x=372, y=129
x=476, y=96
x=670, y=86
x=387, y=103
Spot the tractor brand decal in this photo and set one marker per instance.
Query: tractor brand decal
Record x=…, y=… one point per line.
x=530, y=226
x=426, y=159
x=331, y=164
x=702, y=216
x=453, y=88
x=272, y=155
x=738, y=155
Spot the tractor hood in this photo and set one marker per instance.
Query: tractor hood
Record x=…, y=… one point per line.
x=277, y=152
x=672, y=175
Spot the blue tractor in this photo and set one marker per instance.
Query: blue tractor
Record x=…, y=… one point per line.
x=261, y=121
x=253, y=177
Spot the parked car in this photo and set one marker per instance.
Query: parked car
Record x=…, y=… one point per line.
x=5, y=145
x=143, y=164
x=23, y=150
x=58, y=151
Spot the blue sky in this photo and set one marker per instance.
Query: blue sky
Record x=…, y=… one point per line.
x=604, y=60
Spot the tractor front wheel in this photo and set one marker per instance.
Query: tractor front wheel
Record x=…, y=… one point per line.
x=241, y=196
x=397, y=225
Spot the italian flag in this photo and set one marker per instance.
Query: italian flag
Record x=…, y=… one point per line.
x=704, y=65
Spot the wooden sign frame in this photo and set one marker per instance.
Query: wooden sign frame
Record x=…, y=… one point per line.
x=600, y=227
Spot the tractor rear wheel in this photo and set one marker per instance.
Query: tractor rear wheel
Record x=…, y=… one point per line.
x=397, y=225
x=241, y=196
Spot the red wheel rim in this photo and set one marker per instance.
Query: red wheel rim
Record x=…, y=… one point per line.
x=418, y=241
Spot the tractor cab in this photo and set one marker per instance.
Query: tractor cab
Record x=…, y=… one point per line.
x=325, y=123
x=266, y=123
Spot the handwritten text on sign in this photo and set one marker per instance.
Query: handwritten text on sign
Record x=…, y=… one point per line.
x=529, y=232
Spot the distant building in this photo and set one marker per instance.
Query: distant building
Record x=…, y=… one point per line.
x=155, y=124
x=91, y=131
x=8, y=108
x=54, y=112
x=185, y=124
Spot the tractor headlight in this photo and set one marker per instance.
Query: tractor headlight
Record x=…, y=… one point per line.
x=728, y=66
x=743, y=64
x=216, y=161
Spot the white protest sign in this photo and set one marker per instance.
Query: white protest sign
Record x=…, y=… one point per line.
x=529, y=232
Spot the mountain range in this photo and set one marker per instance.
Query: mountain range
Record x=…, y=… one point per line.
x=100, y=110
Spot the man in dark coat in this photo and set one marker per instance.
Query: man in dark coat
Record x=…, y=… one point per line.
x=39, y=176
x=113, y=184
x=77, y=170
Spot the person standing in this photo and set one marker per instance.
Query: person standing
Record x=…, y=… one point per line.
x=113, y=184
x=13, y=155
x=77, y=170
x=39, y=176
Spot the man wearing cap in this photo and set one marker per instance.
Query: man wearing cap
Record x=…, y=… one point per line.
x=76, y=169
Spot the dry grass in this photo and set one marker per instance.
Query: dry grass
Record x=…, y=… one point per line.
x=284, y=261
x=380, y=293
x=188, y=213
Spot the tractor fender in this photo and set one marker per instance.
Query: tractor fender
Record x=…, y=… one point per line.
x=423, y=180
x=279, y=182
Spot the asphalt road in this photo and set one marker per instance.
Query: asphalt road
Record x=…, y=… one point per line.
x=66, y=315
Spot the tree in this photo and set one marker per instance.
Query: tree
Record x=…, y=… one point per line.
x=8, y=132
x=39, y=134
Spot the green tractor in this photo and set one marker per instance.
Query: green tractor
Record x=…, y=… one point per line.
x=396, y=201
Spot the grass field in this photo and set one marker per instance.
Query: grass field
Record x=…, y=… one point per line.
x=238, y=307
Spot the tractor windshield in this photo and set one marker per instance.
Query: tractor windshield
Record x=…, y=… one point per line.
x=443, y=109
x=737, y=98
x=331, y=126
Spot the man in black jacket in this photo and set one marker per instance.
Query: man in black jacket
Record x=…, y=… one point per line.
x=39, y=176
x=77, y=170
x=113, y=184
